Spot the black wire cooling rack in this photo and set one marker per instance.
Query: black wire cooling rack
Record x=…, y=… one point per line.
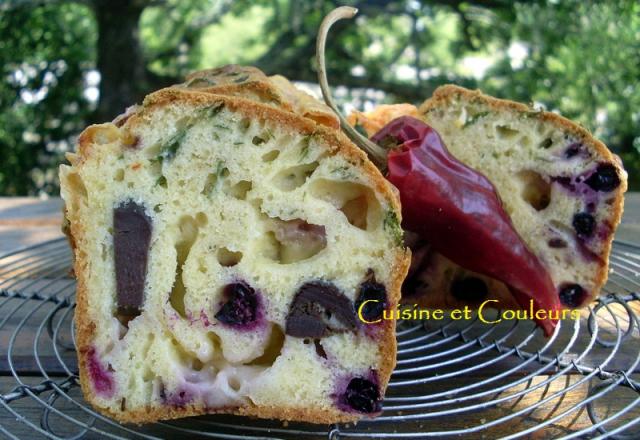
x=462, y=379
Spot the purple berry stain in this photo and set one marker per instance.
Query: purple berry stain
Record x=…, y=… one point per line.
x=584, y=224
x=100, y=376
x=604, y=179
x=241, y=306
x=575, y=149
x=179, y=399
x=204, y=319
x=589, y=186
x=361, y=394
x=372, y=299
x=572, y=295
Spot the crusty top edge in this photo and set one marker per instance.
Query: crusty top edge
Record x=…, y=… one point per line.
x=443, y=95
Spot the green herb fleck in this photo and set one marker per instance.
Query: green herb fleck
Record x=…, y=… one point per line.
x=238, y=143
x=241, y=79
x=162, y=181
x=474, y=118
x=213, y=110
x=170, y=148
x=214, y=179
x=343, y=172
x=304, y=152
x=546, y=143
x=221, y=127
x=391, y=224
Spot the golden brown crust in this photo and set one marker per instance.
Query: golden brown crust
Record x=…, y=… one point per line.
x=338, y=144
x=443, y=96
x=251, y=83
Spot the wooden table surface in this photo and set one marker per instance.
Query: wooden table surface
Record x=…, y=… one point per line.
x=26, y=221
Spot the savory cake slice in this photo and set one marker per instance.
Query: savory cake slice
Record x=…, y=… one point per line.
x=222, y=250
x=562, y=189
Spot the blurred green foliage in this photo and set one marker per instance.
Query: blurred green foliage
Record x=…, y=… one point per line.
x=576, y=57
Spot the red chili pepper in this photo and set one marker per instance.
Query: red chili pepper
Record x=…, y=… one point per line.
x=457, y=210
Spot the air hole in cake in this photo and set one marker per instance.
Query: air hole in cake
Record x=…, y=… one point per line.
x=244, y=125
x=525, y=141
x=228, y=258
x=196, y=364
x=535, y=190
x=176, y=297
x=356, y=212
x=103, y=134
x=234, y=383
x=573, y=150
x=240, y=189
x=273, y=347
x=557, y=243
x=294, y=177
x=269, y=247
x=270, y=156
x=124, y=323
x=561, y=228
x=216, y=343
x=188, y=233
x=119, y=175
x=202, y=219
x=505, y=132
x=214, y=179
x=291, y=241
x=354, y=200
x=262, y=138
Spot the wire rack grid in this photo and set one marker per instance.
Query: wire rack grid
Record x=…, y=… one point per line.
x=462, y=379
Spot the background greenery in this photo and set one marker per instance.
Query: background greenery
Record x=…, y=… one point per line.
x=65, y=64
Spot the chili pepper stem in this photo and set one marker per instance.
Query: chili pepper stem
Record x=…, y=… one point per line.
x=376, y=153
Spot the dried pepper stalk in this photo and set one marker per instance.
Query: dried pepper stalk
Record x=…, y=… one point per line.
x=452, y=206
